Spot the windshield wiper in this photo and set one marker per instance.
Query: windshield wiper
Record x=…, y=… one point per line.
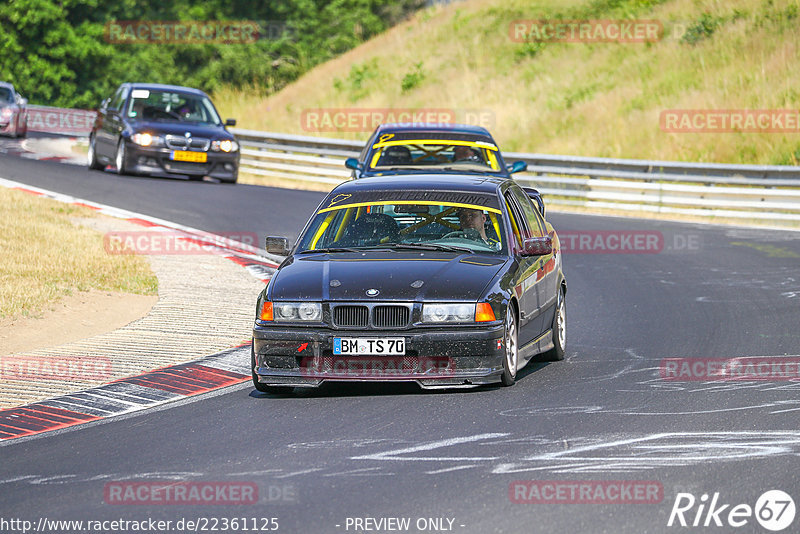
x=402, y=168
x=427, y=246
x=332, y=249
x=472, y=168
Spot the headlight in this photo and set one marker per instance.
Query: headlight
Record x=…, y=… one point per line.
x=146, y=139
x=448, y=313
x=6, y=113
x=293, y=311
x=225, y=145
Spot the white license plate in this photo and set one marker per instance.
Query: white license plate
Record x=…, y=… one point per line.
x=392, y=346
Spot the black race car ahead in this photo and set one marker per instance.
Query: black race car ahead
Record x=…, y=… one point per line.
x=163, y=129
x=443, y=280
x=423, y=148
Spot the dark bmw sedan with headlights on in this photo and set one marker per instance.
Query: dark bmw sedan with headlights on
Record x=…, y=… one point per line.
x=163, y=129
x=443, y=280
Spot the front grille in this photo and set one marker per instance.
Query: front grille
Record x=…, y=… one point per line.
x=383, y=315
x=178, y=142
x=390, y=316
x=187, y=167
x=357, y=316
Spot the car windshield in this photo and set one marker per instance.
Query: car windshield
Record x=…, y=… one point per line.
x=6, y=95
x=440, y=154
x=449, y=225
x=170, y=106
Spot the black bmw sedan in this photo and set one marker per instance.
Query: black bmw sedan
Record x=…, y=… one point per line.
x=163, y=129
x=443, y=280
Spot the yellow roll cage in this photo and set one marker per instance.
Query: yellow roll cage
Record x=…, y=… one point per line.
x=359, y=208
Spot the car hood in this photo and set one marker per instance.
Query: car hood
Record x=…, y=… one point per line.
x=180, y=128
x=347, y=276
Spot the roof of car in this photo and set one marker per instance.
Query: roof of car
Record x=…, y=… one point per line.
x=434, y=127
x=431, y=182
x=164, y=87
x=7, y=84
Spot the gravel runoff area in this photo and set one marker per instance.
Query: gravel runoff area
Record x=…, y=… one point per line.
x=205, y=305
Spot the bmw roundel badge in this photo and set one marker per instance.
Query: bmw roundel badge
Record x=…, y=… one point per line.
x=372, y=292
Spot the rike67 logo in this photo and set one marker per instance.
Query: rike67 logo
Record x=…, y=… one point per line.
x=774, y=510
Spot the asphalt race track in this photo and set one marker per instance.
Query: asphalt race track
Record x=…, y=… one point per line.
x=322, y=459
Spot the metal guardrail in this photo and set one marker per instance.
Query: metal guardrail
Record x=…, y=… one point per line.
x=764, y=192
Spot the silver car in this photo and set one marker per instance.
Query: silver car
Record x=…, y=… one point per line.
x=13, y=112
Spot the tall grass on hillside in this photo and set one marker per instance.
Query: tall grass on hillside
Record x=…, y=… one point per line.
x=601, y=99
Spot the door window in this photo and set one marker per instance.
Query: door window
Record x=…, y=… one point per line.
x=535, y=223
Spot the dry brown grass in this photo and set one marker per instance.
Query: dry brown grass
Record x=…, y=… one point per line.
x=45, y=255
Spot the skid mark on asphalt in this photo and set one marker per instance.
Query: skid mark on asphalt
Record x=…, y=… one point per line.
x=667, y=449
x=539, y=411
x=622, y=453
x=578, y=454
x=403, y=454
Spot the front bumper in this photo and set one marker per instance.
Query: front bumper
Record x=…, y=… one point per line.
x=434, y=358
x=7, y=128
x=150, y=160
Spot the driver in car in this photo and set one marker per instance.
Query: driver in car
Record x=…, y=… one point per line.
x=473, y=220
x=465, y=153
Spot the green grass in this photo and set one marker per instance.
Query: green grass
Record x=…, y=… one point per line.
x=601, y=99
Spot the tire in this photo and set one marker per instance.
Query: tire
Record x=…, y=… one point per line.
x=119, y=159
x=92, y=154
x=511, y=357
x=232, y=180
x=21, y=131
x=559, y=330
x=263, y=388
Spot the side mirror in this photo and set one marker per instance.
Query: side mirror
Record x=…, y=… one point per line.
x=230, y=122
x=352, y=163
x=277, y=245
x=518, y=166
x=536, y=196
x=537, y=246
x=23, y=101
